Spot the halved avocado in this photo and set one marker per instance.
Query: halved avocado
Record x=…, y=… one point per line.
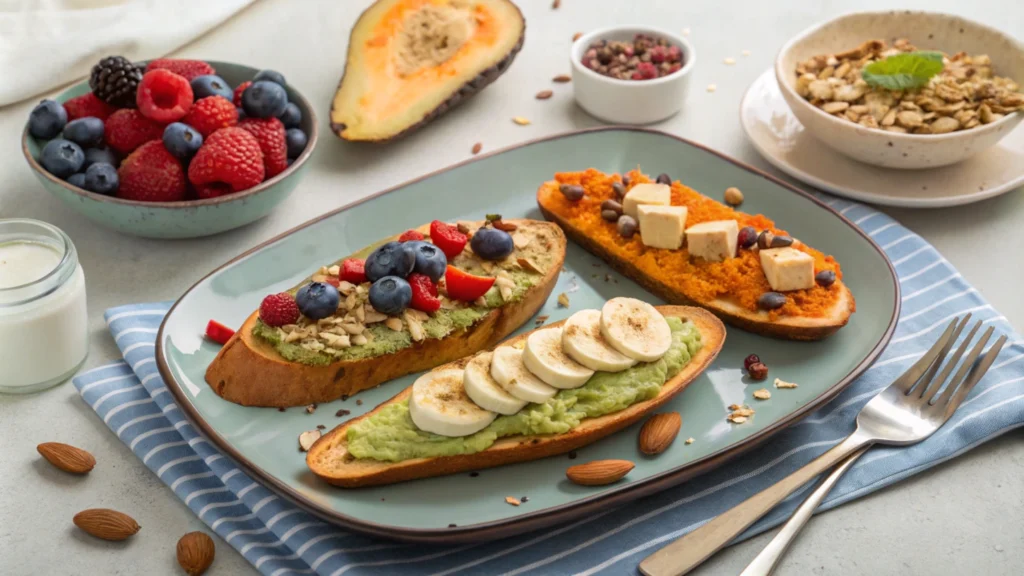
x=410, y=61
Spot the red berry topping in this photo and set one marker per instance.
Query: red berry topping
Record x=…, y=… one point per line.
x=424, y=293
x=87, y=105
x=749, y=360
x=465, y=287
x=190, y=69
x=269, y=132
x=164, y=96
x=238, y=92
x=447, y=238
x=353, y=270
x=151, y=174
x=279, y=309
x=211, y=114
x=229, y=161
x=409, y=235
x=127, y=129
x=218, y=332
x=646, y=70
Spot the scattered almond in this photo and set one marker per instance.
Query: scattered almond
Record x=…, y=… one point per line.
x=520, y=120
x=563, y=300
x=712, y=87
x=529, y=266
x=311, y=408
x=544, y=94
x=563, y=78
x=782, y=384
x=598, y=472
x=195, y=553
x=66, y=457
x=577, y=36
x=762, y=394
x=462, y=228
x=658, y=432
x=540, y=320
x=504, y=226
x=512, y=500
x=106, y=524
x=477, y=148
x=308, y=438
x=690, y=440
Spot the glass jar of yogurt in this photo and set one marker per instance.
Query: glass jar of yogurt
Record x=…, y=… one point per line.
x=43, y=333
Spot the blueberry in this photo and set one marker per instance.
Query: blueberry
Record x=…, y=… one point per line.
x=264, y=99
x=62, y=158
x=317, y=300
x=104, y=155
x=86, y=132
x=77, y=179
x=47, y=119
x=296, y=140
x=182, y=140
x=430, y=260
x=211, y=85
x=492, y=244
x=390, y=295
x=101, y=179
x=270, y=76
x=291, y=116
x=391, y=259
x=771, y=301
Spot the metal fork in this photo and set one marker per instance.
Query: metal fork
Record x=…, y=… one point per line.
x=905, y=412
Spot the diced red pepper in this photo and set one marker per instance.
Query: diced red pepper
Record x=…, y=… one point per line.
x=352, y=270
x=424, y=293
x=410, y=235
x=466, y=287
x=447, y=238
x=218, y=332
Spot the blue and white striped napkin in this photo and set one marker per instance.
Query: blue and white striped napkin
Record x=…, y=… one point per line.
x=278, y=538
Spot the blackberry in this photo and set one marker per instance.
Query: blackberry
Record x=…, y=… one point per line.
x=115, y=80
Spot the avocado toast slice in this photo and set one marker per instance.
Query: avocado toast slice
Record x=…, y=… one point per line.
x=259, y=366
x=330, y=457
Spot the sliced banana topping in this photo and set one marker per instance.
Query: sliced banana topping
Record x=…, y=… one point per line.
x=486, y=391
x=635, y=328
x=439, y=404
x=583, y=342
x=507, y=369
x=545, y=358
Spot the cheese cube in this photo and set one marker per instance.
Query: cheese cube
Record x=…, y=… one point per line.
x=657, y=194
x=662, y=226
x=713, y=241
x=787, y=269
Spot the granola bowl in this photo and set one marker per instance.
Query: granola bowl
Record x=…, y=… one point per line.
x=948, y=120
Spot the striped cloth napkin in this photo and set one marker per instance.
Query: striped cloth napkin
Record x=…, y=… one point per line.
x=279, y=539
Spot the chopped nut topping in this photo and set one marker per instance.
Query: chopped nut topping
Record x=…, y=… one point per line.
x=739, y=414
x=394, y=324
x=415, y=326
x=762, y=394
x=308, y=438
x=729, y=61
x=712, y=87
x=477, y=148
x=782, y=384
x=512, y=500
x=563, y=300
x=690, y=440
x=311, y=408
x=520, y=120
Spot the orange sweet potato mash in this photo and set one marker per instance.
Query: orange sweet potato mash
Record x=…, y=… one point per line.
x=739, y=279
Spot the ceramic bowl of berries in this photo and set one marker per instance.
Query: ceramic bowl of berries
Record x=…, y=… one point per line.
x=631, y=74
x=172, y=148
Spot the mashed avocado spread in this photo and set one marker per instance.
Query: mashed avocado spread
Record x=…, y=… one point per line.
x=391, y=436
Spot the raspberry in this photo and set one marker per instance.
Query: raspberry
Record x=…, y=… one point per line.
x=127, y=129
x=211, y=114
x=424, y=293
x=187, y=68
x=269, y=132
x=151, y=174
x=88, y=105
x=410, y=235
x=238, y=92
x=229, y=161
x=353, y=270
x=164, y=96
x=279, y=309
x=447, y=238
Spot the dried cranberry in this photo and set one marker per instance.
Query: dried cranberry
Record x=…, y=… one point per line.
x=749, y=360
x=758, y=371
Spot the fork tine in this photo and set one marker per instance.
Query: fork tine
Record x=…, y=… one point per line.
x=908, y=379
x=961, y=374
x=931, y=387
x=976, y=374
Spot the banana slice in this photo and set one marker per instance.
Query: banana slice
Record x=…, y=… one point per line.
x=485, y=391
x=507, y=369
x=583, y=342
x=544, y=357
x=439, y=404
x=635, y=328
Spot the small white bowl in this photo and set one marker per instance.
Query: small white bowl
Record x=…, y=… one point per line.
x=629, y=101
x=927, y=31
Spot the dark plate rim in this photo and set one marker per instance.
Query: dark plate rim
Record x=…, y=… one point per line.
x=557, y=514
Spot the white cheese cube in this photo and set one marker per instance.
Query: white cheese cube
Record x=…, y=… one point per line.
x=787, y=269
x=713, y=241
x=657, y=194
x=662, y=226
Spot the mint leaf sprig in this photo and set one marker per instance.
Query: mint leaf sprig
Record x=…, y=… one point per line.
x=907, y=71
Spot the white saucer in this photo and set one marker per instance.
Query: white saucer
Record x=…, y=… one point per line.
x=781, y=139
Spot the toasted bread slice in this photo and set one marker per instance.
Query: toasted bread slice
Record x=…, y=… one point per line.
x=759, y=321
x=329, y=459
x=249, y=371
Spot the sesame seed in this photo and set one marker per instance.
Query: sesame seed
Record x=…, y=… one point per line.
x=729, y=61
x=712, y=87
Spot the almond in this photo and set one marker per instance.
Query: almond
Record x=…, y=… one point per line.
x=598, y=472
x=195, y=553
x=658, y=432
x=106, y=523
x=67, y=458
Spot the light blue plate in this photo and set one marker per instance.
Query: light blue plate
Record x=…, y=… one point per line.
x=265, y=441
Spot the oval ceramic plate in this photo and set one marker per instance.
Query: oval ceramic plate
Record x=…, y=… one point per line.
x=265, y=441
x=781, y=139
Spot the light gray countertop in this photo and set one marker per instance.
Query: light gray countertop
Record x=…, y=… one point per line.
x=963, y=517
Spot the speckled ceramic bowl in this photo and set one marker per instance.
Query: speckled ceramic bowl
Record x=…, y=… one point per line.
x=927, y=31
x=187, y=219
